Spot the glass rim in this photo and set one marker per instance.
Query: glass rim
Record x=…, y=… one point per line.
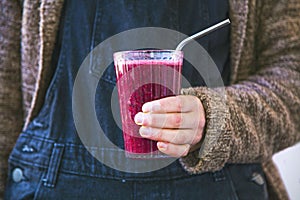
x=119, y=54
x=149, y=51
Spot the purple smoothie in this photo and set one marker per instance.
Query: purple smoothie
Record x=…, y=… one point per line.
x=138, y=82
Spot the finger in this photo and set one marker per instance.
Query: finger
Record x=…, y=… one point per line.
x=174, y=150
x=168, y=120
x=174, y=136
x=182, y=103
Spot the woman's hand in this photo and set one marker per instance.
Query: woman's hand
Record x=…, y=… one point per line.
x=175, y=122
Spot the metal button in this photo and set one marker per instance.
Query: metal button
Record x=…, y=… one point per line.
x=257, y=178
x=17, y=175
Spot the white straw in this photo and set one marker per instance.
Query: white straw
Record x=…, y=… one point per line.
x=202, y=33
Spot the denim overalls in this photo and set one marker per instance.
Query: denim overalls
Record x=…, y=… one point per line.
x=49, y=160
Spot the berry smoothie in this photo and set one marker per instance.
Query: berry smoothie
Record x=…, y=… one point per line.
x=138, y=82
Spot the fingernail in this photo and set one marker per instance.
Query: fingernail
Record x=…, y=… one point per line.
x=151, y=106
x=138, y=118
x=161, y=145
x=145, y=132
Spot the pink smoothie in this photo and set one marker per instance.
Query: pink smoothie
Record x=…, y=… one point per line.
x=140, y=82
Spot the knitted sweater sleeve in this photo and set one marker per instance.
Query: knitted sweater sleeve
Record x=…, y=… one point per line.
x=11, y=118
x=252, y=119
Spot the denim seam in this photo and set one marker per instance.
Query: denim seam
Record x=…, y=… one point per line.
x=38, y=191
x=76, y=172
x=54, y=164
x=42, y=139
x=231, y=184
x=97, y=19
x=18, y=161
x=112, y=177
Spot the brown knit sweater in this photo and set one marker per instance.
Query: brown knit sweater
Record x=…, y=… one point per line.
x=248, y=121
